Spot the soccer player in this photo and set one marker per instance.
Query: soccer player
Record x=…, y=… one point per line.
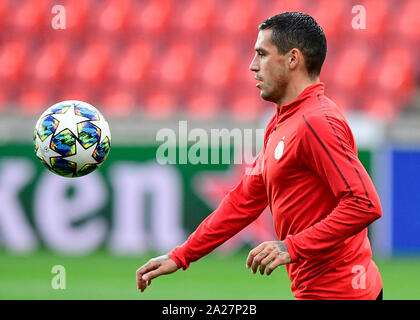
x=308, y=172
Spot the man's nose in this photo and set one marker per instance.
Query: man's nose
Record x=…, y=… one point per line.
x=254, y=66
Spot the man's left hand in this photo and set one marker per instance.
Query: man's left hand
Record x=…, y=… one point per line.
x=270, y=252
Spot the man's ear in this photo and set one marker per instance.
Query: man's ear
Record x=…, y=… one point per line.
x=294, y=58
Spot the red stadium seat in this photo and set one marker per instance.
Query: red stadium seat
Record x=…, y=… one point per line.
x=118, y=103
x=196, y=16
x=246, y=106
x=279, y=6
x=176, y=66
x=78, y=16
x=133, y=65
x=219, y=66
x=408, y=22
x=12, y=60
x=34, y=99
x=91, y=65
x=31, y=16
x=203, y=105
x=381, y=107
x=237, y=17
x=395, y=72
x=75, y=91
x=159, y=104
x=351, y=66
x=152, y=17
x=4, y=13
x=377, y=14
x=50, y=63
x=342, y=99
x=113, y=15
x=330, y=15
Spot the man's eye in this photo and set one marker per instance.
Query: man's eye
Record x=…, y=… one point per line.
x=260, y=54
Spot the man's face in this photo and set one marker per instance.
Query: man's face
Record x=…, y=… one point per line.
x=270, y=68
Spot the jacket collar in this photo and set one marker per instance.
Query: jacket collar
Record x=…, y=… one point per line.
x=289, y=108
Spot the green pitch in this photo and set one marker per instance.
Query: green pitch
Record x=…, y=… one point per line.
x=104, y=276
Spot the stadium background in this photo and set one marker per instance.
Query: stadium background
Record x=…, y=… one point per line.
x=148, y=65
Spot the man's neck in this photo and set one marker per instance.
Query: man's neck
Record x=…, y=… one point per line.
x=294, y=89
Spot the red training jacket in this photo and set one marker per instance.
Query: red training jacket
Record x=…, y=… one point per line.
x=321, y=198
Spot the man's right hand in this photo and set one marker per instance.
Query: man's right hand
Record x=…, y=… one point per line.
x=154, y=268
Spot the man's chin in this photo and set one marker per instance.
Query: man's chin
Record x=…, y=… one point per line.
x=265, y=96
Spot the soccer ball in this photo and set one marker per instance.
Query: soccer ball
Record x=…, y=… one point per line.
x=72, y=138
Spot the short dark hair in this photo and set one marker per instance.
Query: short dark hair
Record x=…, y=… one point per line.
x=299, y=30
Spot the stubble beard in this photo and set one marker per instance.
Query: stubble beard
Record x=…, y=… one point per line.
x=276, y=94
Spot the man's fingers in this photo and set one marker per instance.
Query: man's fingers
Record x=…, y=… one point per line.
x=151, y=275
x=154, y=268
x=151, y=265
x=277, y=262
x=257, y=260
x=143, y=282
x=141, y=285
x=266, y=261
x=250, y=258
x=253, y=253
x=272, y=253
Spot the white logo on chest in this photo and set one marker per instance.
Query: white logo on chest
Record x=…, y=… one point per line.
x=279, y=149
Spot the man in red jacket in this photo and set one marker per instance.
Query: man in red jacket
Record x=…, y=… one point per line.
x=321, y=197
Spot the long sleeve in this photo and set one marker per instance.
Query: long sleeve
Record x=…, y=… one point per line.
x=239, y=208
x=327, y=149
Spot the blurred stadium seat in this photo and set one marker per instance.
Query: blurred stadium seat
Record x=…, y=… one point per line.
x=50, y=62
x=377, y=14
x=351, y=76
x=112, y=17
x=395, y=74
x=380, y=107
x=78, y=15
x=159, y=103
x=408, y=22
x=237, y=17
x=153, y=54
x=118, y=102
x=75, y=91
x=218, y=66
x=246, y=105
x=132, y=66
x=175, y=66
x=203, y=105
x=33, y=98
x=13, y=54
x=30, y=17
x=278, y=6
x=91, y=65
x=196, y=16
x=151, y=18
x=330, y=15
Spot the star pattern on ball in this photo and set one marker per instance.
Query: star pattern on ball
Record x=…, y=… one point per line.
x=44, y=151
x=82, y=156
x=104, y=128
x=69, y=120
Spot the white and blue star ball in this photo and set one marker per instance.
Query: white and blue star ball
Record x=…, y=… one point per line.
x=72, y=138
